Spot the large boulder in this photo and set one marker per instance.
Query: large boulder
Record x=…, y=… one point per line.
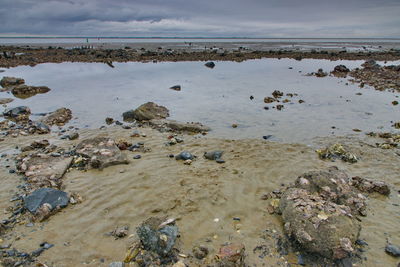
x=319, y=213
x=11, y=82
x=148, y=111
x=101, y=152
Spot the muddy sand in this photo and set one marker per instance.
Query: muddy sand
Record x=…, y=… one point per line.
x=213, y=203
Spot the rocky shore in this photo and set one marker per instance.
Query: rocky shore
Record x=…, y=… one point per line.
x=151, y=191
x=11, y=56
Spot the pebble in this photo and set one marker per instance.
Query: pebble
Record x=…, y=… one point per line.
x=73, y=136
x=220, y=161
x=392, y=250
x=137, y=157
x=11, y=171
x=185, y=155
x=266, y=137
x=188, y=162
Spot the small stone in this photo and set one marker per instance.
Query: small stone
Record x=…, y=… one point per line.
x=185, y=155
x=234, y=125
x=109, y=120
x=200, y=252
x=116, y=264
x=137, y=157
x=392, y=250
x=176, y=87
x=188, y=162
x=210, y=64
x=220, y=161
x=73, y=136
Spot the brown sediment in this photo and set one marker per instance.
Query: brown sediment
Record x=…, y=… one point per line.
x=17, y=56
x=213, y=203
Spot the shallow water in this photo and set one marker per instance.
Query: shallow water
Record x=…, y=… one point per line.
x=216, y=97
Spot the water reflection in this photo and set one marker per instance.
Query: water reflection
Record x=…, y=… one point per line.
x=217, y=97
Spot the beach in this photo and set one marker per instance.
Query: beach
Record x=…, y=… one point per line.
x=212, y=201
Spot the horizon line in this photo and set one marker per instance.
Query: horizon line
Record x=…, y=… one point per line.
x=185, y=37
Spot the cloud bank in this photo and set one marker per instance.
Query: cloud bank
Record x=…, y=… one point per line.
x=222, y=18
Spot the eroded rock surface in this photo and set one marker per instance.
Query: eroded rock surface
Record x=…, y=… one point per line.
x=11, y=81
x=43, y=170
x=148, y=111
x=319, y=211
x=24, y=91
x=101, y=152
x=58, y=117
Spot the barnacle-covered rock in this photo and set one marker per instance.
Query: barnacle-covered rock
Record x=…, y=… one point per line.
x=337, y=151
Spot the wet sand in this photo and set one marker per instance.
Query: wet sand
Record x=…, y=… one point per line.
x=198, y=194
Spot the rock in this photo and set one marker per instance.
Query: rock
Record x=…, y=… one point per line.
x=4, y=101
x=44, y=171
x=194, y=127
x=52, y=198
x=137, y=157
x=24, y=91
x=369, y=186
x=319, y=213
x=231, y=255
x=176, y=87
x=17, y=111
x=320, y=73
x=337, y=151
x=185, y=155
x=11, y=81
x=392, y=250
x=116, y=264
x=101, y=152
x=157, y=237
x=210, y=64
x=58, y=117
x=220, y=161
x=269, y=99
x=109, y=120
x=120, y=232
x=341, y=68
x=213, y=155
x=41, y=128
x=148, y=111
x=277, y=94
x=200, y=252
x=370, y=64
x=73, y=136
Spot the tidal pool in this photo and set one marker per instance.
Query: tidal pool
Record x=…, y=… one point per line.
x=217, y=97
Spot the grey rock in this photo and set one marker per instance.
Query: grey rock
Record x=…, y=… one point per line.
x=176, y=87
x=185, y=155
x=392, y=250
x=156, y=239
x=15, y=112
x=213, y=155
x=210, y=64
x=37, y=198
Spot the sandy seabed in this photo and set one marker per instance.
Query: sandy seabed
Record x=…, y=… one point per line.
x=204, y=196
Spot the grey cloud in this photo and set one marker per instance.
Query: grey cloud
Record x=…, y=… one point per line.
x=253, y=18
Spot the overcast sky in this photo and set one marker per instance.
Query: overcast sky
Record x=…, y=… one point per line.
x=237, y=18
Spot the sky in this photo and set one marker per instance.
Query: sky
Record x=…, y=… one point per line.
x=201, y=18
